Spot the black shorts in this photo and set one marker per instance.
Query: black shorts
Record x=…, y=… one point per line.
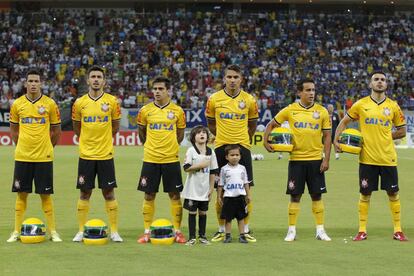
x=246, y=161
x=26, y=172
x=300, y=172
x=88, y=169
x=234, y=207
x=193, y=205
x=151, y=174
x=369, y=174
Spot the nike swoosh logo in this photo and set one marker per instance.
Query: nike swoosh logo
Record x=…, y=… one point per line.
x=178, y=186
x=393, y=186
x=323, y=188
x=110, y=183
x=47, y=189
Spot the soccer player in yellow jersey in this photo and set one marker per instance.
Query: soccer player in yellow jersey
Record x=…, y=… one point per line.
x=309, y=158
x=35, y=129
x=377, y=115
x=161, y=126
x=232, y=115
x=96, y=116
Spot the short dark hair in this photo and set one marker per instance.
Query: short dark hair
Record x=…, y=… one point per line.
x=230, y=147
x=302, y=82
x=33, y=71
x=96, y=68
x=234, y=68
x=378, y=72
x=162, y=79
x=196, y=130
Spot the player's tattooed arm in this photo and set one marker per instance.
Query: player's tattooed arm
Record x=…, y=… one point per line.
x=252, y=125
x=77, y=127
x=270, y=126
x=55, y=132
x=211, y=124
x=180, y=135
x=14, y=132
x=399, y=133
x=115, y=126
x=142, y=133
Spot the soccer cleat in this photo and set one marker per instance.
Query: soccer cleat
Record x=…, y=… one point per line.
x=78, y=237
x=191, y=242
x=115, y=237
x=179, y=238
x=145, y=238
x=14, y=237
x=399, y=236
x=361, y=236
x=218, y=236
x=203, y=240
x=249, y=237
x=243, y=239
x=54, y=237
x=290, y=236
x=322, y=236
x=227, y=240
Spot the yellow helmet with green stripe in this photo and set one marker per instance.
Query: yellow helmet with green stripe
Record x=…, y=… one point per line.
x=351, y=141
x=162, y=232
x=33, y=231
x=281, y=139
x=95, y=232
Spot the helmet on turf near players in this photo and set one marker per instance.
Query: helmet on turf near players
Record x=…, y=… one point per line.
x=95, y=232
x=162, y=232
x=33, y=230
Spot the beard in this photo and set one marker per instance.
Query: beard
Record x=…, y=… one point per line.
x=379, y=90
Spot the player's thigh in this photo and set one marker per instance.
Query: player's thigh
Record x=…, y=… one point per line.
x=171, y=177
x=150, y=178
x=228, y=211
x=296, y=178
x=106, y=174
x=23, y=177
x=246, y=161
x=241, y=210
x=389, y=178
x=190, y=205
x=221, y=157
x=86, y=174
x=315, y=179
x=368, y=178
x=43, y=177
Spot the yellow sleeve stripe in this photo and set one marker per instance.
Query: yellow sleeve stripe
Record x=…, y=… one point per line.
x=116, y=120
x=55, y=124
x=76, y=120
x=326, y=129
x=277, y=121
x=400, y=126
x=15, y=123
x=255, y=118
x=350, y=116
x=141, y=124
x=209, y=117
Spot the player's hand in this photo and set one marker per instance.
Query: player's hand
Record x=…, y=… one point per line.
x=220, y=201
x=210, y=192
x=268, y=147
x=205, y=163
x=337, y=146
x=324, y=165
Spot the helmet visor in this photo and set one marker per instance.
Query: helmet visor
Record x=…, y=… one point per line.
x=95, y=232
x=33, y=230
x=162, y=233
x=281, y=138
x=351, y=140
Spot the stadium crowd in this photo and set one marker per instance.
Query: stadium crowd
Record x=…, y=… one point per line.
x=193, y=48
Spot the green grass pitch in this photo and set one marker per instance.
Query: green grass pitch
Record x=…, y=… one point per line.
x=379, y=255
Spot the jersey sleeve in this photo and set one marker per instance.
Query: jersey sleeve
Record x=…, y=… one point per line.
x=222, y=180
x=282, y=116
x=14, y=115
x=326, y=122
x=181, y=123
x=210, y=108
x=399, y=118
x=188, y=161
x=213, y=163
x=253, y=109
x=54, y=113
x=76, y=115
x=353, y=112
x=116, y=110
x=142, y=117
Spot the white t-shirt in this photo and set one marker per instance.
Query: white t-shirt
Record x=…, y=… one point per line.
x=232, y=179
x=197, y=183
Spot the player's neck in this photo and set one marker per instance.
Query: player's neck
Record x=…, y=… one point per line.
x=202, y=147
x=162, y=102
x=232, y=92
x=94, y=94
x=306, y=105
x=33, y=96
x=378, y=97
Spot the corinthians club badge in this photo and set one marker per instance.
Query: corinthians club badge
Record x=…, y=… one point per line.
x=104, y=107
x=387, y=111
x=316, y=115
x=170, y=115
x=41, y=110
x=242, y=104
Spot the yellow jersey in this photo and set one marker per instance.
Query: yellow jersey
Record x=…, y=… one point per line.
x=232, y=114
x=34, y=119
x=96, y=117
x=376, y=121
x=161, y=122
x=307, y=125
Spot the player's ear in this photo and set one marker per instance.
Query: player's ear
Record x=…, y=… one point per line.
x=369, y=85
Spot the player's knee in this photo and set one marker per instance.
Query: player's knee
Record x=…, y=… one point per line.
x=85, y=194
x=365, y=198
x=393, y=196
x=192, y=213
x=149, y=196
x=108, y=194
x=295, y=198
x=202, y=213
x=174, y=195
x=316, y=197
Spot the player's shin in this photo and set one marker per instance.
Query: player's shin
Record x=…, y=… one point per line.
x=20, y=209
x=111, y=207
x=82, y=213
x=47, y=207
x=395, y=207
x=220, y=221
x=363, y=207
x=293, y=212
x=148, y=210
x=318, y=210
x=176, y=213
